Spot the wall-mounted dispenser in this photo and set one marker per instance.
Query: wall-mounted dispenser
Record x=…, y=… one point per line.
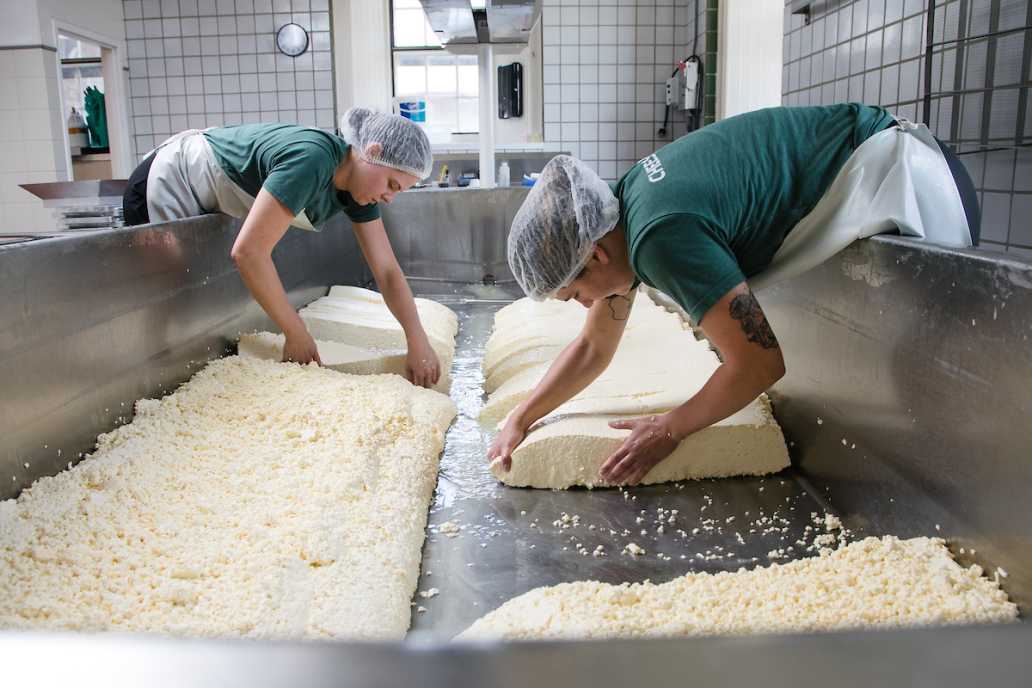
x=510, y=91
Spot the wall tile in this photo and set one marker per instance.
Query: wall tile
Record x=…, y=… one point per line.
x=1021, y=220
x=196, y=63
x=873, y=51
x=1023, y=171
x=996, y=216
x=620, y=52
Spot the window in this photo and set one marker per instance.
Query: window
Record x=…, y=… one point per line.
x=423, y=70
x=411, y=28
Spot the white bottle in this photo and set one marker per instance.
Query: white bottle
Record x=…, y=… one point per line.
x=503, y=173
x=77, y=139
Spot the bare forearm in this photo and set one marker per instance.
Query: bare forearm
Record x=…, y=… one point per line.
x=583, y=360
x=260, y=275
x=398, y=297
x=728, y=391
x=753, y=362
x=572, y=371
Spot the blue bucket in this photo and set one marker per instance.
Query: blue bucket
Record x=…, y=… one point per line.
x=414, y=110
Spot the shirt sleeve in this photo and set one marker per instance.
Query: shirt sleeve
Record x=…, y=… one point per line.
x=293, y=178
x=688, y=259
x=361, y=213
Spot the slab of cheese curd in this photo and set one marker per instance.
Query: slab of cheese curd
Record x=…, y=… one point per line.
x=527, y=322
x=873, y=583
x=657, y=367
x=433, y=308
x=502, y=345
x=645, y=365
x=435, y=317
x=359, y=318
x=536, y=325
x=568, y=448
x=343, y=358
x=366, y=324
x=527, y=311
x=260, y=500
x=543, y=354
x=544, y=350
x=534, y=357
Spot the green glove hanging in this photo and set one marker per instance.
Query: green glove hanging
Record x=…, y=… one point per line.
x=96, y=117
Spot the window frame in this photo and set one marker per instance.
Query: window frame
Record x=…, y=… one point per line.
x=457, y=97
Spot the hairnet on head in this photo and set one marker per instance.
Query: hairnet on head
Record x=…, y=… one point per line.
x=403, y=143
x=568, y=209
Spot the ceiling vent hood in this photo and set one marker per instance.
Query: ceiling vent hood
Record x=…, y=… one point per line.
x=469, y=22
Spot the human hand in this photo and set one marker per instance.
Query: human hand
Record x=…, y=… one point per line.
x=301, y=348
x=505, y=444
x=650, y=441
x=422, y=367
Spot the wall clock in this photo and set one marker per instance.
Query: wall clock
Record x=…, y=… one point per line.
x=292, y=40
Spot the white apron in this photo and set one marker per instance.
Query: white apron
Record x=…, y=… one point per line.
x=896, y=179
x=186, y=180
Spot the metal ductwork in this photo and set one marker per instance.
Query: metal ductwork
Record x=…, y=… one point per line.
x=451, y=20
x=510, y=21
x=458, y=22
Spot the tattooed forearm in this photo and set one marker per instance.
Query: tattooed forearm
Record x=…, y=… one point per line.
x=619, y=306
x=746, y=309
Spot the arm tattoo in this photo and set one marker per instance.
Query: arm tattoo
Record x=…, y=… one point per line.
x=619, y=306
x=746, y=308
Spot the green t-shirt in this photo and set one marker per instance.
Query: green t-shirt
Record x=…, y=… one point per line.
x=711, y=209
x=295, y=164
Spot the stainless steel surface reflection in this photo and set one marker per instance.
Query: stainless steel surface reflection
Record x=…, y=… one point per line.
x=909, y=394
x=509, y=545
x=942, y=658
x=453, y=235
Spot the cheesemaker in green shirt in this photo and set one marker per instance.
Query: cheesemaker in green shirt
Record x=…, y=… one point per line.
x=711, y=209
x=293, y=163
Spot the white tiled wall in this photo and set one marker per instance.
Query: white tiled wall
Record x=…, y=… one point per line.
x=606, y=63
x=31, y=136
x=873, y=51
x=202, y=63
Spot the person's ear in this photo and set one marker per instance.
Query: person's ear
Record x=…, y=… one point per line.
x=601, y=254
x=373, y=150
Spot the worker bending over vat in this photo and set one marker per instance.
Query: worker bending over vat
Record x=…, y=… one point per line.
x=746, y=202
x=273, y=176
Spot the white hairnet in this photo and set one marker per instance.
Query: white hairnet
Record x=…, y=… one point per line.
x=404, y=145
x=566, y=212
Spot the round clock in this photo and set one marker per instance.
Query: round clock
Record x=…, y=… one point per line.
x=292, y=40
